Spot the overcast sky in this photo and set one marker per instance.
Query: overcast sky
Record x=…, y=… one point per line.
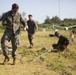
x=41, y=8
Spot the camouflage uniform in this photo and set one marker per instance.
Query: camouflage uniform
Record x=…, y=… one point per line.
x=32, y=28
x=72, y=35
x=62, y=43
x=11, y=32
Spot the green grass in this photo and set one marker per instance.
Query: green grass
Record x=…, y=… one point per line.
x=50, y=64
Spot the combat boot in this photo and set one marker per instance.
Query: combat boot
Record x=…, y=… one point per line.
x=31, y=45
x=5, y=60
x=14, y=61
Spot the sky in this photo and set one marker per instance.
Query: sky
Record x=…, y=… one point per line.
x=42, y=8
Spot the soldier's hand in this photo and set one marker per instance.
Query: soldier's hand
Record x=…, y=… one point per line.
x=24, y=28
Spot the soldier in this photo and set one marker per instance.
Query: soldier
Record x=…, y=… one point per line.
x=56, y=32
x=12, y=19
x=32, y=28
x=62, y=43
x=72, y=35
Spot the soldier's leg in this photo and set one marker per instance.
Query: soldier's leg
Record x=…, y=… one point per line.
x=14, y=42
x=19, y=42
x=55, y=46
x=62, y=48
x=30, y=37
x=4, y=45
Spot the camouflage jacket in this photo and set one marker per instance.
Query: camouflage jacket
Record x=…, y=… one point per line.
x=12, y=21
x=63, y=40
x=32, y=26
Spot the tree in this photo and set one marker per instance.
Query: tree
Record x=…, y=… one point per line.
x=47, y=20
x=55, y=20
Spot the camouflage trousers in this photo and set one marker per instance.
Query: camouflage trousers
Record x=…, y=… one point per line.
x=7, y=37
x=59, y=47
x=30, y=37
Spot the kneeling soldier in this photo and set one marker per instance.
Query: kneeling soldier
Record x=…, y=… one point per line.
x=62, y=43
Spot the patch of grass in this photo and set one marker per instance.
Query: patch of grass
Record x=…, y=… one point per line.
x=69, y=55
x=55, y=65
x=66, y=73
x=51, y=64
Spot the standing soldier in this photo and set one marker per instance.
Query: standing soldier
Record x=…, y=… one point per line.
x=12, y=19
x=72, y=35
x=32, y=28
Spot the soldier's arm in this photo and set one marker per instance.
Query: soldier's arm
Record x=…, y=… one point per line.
x=58, y=42
x=36, y=27
x=66, y=41
x=3, y=18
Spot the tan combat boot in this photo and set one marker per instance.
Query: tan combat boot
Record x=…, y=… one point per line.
x=5, y=60
x=14, y=61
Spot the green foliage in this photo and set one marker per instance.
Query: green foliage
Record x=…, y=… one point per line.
x=53, y=20
x=47, y=20
x=44, y=25
x=57, y=21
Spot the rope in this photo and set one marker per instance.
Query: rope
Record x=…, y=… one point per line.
x=40, y=56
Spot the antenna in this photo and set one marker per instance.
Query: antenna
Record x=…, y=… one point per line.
x=59, y=7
